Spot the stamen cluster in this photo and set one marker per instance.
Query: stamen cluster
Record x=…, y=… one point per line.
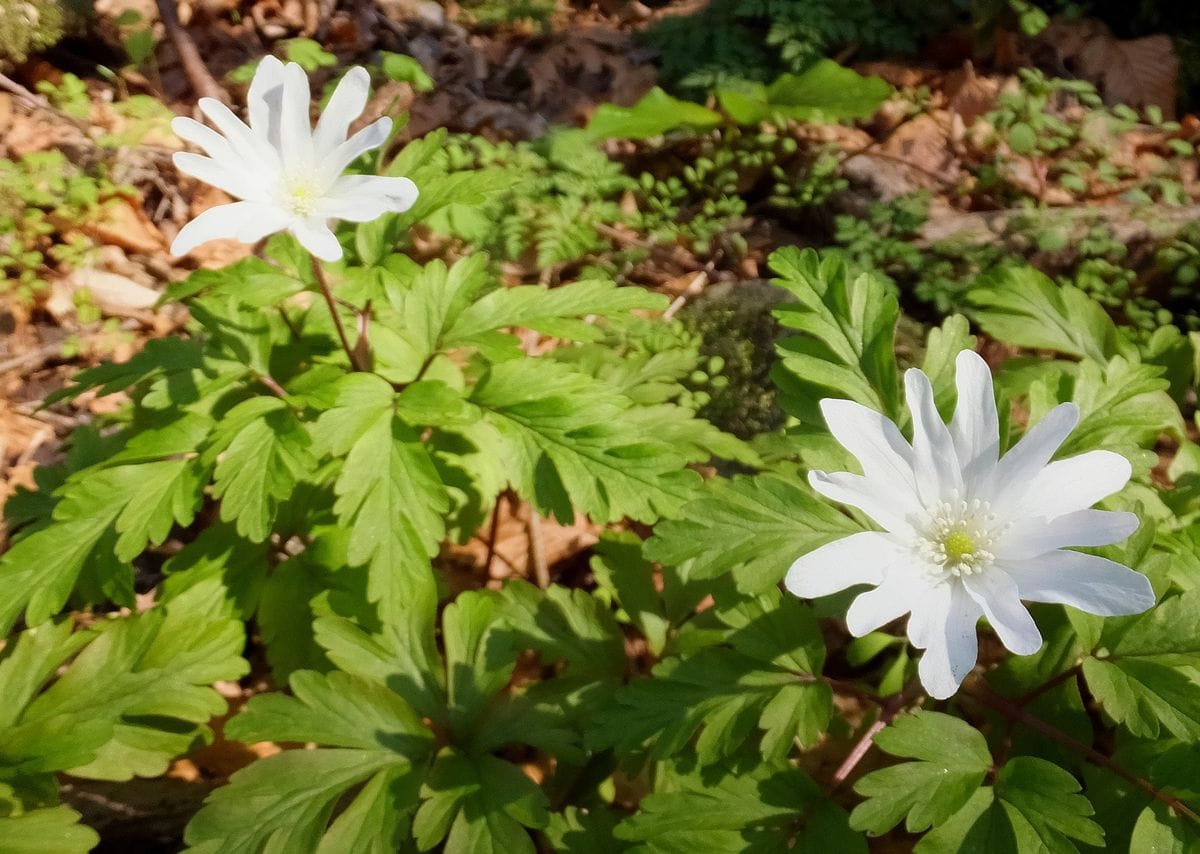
x=956, y=538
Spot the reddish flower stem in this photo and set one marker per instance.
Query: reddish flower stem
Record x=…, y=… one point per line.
x=353, y=355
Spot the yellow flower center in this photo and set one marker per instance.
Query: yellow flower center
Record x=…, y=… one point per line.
x=302, y=197
x=955, y=538
x=958, y=545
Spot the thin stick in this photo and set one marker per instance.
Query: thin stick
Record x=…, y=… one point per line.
x=1013, y=712
x=337, y=320
x=33, y=360
x=26, y=97
x=891, y=707
x=194, y=68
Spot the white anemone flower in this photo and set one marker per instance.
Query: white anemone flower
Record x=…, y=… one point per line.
x=966, y=533
x=287, y=174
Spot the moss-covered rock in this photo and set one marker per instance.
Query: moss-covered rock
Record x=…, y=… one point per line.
x=735, y=325
x=28, y=26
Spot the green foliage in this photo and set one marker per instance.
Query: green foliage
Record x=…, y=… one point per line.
x=844, y=345
x=119, y=699
x=662, y=694
x=825, y=92
x=374, y=721
x=1142, y=672
x=1033, y=805
x=750, y=527
x=308, y=54
x=952, y=760
x=1024, y=307
x=655, y=114
x=762, y=806
x=760, y=678
x=1030, y=126
x=41, y=194
x=309, y=500
x=565, y=204
x=723, y=42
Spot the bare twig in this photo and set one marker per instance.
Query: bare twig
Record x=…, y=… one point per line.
x=22, y=94
x=32, y=360
x=892, y=706
x=194, y=68
x=693, y=289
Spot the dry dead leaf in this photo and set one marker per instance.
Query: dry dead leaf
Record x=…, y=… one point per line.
x=122, y=222
x=1138, y=72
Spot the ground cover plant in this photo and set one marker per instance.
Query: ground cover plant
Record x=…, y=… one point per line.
x=803, y=458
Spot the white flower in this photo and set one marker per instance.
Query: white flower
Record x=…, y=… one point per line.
x=288, y=175
x=966, y=534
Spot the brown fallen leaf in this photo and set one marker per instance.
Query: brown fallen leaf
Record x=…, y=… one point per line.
x=123, y=223
x=1138, y=72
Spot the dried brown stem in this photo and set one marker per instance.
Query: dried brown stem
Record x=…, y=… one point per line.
x=194, y=68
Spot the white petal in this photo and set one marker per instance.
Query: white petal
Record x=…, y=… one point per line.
x=346, y=104
x=221, y=174
x=856, y=559
x=935, y=460
x=1036, y=535
x=265, y=99
x=295, y=130
x=1014, y=474
x=247, y=145
x=247, y=222
x=951, y=646
x=315, y=236
x=975, y=427
x=887, y=507
x=876, y=608
x=1089, y=583
x=996, y=594
x=362, y=198
x=874, y=441
x=1073, y=484
x=201, y=136
x=372, y=136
